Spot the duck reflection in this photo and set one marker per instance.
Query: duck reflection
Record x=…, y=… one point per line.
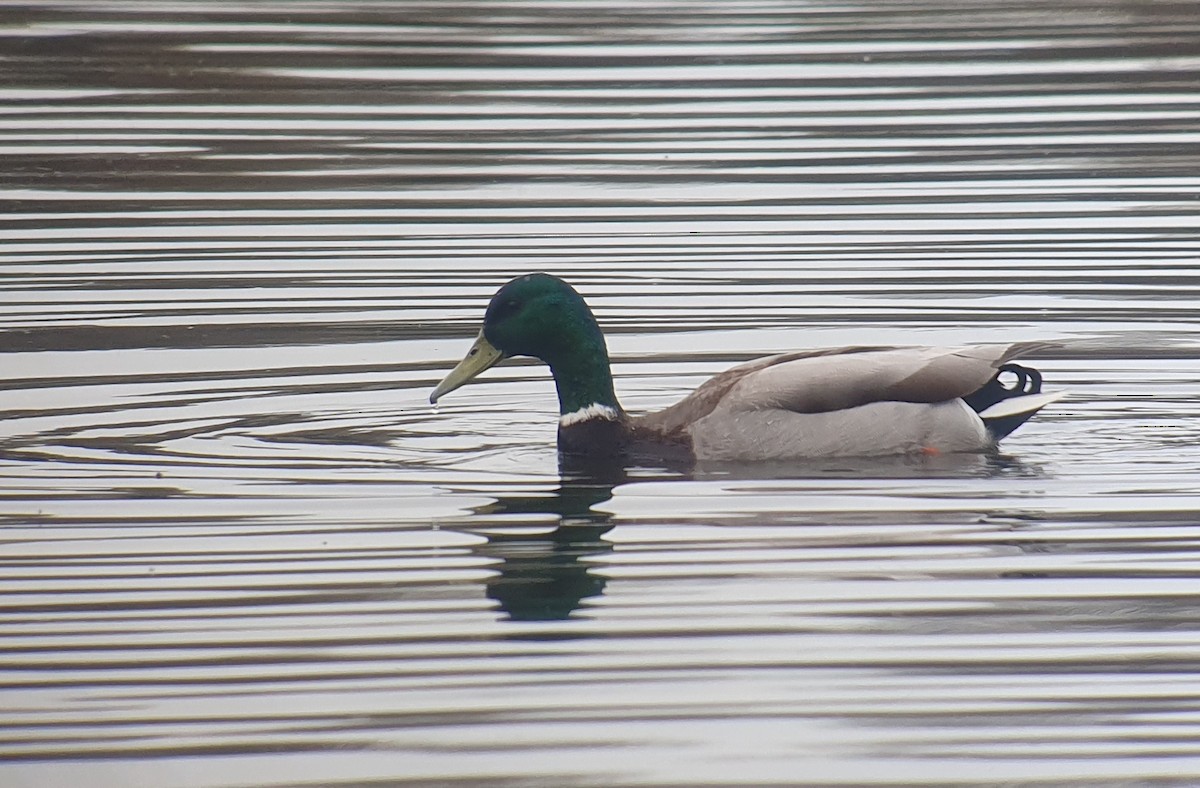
x=965, y=465
x=542, y=576
x=542, y=540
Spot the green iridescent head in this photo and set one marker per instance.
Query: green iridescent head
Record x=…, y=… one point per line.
x=542, y=316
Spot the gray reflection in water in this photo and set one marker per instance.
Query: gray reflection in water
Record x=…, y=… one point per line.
x=964, y=465
x=542, y=576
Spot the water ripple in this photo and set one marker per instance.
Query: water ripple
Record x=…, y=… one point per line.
x=241, y=246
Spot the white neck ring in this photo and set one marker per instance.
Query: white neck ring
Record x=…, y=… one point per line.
x=593, y=411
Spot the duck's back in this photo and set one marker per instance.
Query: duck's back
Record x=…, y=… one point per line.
x=856, y=401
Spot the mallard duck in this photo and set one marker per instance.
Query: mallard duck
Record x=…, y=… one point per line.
x=810, y=404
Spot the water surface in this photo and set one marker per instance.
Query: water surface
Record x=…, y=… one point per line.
x=241, y=243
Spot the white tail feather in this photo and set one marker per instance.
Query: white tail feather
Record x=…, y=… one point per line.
x=1016, y=405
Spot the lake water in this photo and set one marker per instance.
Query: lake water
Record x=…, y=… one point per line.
x=242, y=242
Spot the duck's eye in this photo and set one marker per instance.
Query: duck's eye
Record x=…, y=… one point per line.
x=507, y=307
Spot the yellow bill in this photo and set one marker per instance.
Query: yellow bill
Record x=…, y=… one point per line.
x=481, y=356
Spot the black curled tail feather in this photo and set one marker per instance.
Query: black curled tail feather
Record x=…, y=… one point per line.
x=1029, y=381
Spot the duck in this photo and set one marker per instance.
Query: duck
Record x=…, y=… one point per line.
x=858, y=401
